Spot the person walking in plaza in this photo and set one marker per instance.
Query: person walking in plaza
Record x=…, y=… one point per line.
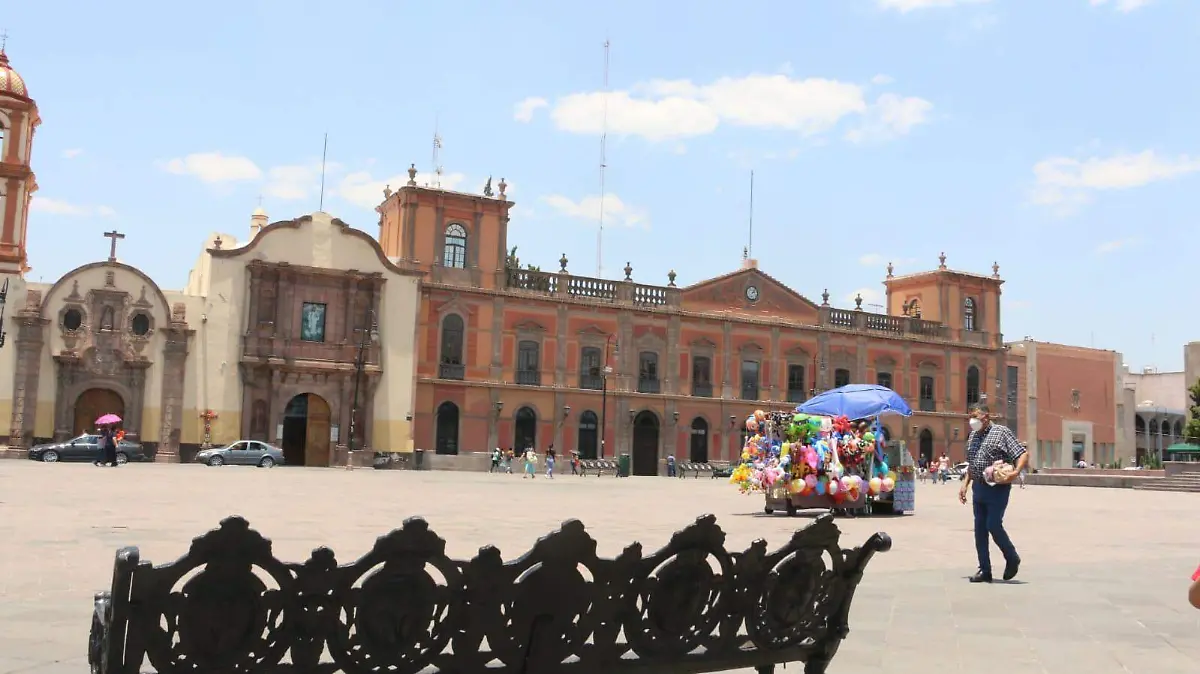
x=495, y=460
x=108, y=442
x=508, y=461
x=1194, y=590
x=530, y=464
x=987, y=445
x=943, y=469
x=550, y=456
x=575, y=463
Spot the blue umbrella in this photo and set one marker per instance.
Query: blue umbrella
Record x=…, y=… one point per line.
x=857, y=401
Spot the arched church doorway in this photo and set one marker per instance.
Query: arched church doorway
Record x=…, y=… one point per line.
x=926, y=445
x=305, y=439
x=645, y=443
x=93, y=404
x=524, y=430
x=446, y=441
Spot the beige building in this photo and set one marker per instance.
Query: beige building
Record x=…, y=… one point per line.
x=264, y=344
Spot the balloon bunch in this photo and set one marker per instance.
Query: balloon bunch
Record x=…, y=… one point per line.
x=807, y=454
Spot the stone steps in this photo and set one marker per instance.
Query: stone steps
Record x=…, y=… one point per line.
x=1185, y=482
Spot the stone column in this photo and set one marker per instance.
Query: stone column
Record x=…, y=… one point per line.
x=27, y=371
x=726, y=360
x=174, y=366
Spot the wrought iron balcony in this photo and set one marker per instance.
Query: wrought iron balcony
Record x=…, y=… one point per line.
x=796, y=395
x=927, y=405
x=702, y=389
x=529, y=377
x=452, y=371
x=646, y=385
x=591, y=381
x=750, y=392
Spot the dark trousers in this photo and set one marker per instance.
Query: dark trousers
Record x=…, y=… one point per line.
x=989, y=503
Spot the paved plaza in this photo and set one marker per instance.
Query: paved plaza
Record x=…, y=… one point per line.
x=1102, y=588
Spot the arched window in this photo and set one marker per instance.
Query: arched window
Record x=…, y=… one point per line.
x=972, y=386
x=925, y=444
x=456, y=247
x=841, y=377
x=446, y=423
x=698, y=448
x=969, y=314
x=1179, y=429
x=648, y=372
x=589, y=436
x=451, y=363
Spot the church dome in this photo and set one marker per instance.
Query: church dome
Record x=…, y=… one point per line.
x=10, y=81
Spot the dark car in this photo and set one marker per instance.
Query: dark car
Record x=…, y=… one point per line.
x=242, y=453
x=84, y=448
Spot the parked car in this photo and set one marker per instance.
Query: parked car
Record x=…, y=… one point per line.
x=242, y=453
x=960, y=470
x=86, y=447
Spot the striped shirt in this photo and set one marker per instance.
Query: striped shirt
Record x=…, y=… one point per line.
x=992, y=444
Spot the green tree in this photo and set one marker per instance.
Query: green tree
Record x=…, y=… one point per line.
x=514, y=262
x=1191, y=432
x=487, y=189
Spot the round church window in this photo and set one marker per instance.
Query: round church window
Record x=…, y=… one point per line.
x=141, y=325
x=72, y=319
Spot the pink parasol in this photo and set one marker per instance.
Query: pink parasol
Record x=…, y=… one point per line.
x=108, y=419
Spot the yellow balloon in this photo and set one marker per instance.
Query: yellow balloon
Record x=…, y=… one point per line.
x=785, y=449
x=892, y=474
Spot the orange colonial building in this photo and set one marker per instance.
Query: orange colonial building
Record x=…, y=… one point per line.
x=511, y=357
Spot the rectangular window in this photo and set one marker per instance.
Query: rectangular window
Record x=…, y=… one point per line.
x=590, y=374
x=797, y=391
x=312, y=322
x=1010, y=399
x=648, y=372
x=841, y=377
x=750, y=379
x=702, y=377
x=529, y=363
x=883, y=379
x=927, y=402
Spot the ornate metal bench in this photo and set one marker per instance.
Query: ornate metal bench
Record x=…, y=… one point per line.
x=695, y=468
x=600, y=467
x=229, y=606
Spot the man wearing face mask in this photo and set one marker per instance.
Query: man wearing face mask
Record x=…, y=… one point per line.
x=987, y=444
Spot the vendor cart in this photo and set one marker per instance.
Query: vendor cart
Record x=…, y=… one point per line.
x=857, y=401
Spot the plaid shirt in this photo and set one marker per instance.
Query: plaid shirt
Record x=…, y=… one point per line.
x=986, y=447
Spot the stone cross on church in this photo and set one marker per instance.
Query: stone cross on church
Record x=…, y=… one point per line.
x=114, y=235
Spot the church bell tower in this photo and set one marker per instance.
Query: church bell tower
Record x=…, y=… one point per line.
x=18, y=121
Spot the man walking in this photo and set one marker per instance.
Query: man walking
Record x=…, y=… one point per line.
x=987, y=444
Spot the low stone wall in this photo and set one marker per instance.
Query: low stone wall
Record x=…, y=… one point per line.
x=1101, y=471
x=466, y=461
x=1180, y=467
x=1085, y=478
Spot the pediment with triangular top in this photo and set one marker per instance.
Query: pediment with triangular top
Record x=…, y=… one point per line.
x=528, y=325
x=752, y=292
x=593, y=330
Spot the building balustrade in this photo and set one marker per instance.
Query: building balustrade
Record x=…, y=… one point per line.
x=529, y=378
x=257, y=346
x=627, y=292
x=647, y=385
x=591, y=381
x=702, y=390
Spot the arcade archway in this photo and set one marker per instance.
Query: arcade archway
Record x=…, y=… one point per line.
x=93, y=404
x=645, y=443
x=306, y=421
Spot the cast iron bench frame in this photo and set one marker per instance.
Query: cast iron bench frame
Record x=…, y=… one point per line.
x=695, y=467
x=692, y=606
x=600, y=466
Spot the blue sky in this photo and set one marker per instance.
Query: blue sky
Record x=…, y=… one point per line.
x=1057, y=137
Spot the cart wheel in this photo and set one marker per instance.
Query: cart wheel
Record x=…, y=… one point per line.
x=769, y=510
x=791, y=509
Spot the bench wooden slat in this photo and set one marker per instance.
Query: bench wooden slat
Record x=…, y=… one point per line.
x=532, y=612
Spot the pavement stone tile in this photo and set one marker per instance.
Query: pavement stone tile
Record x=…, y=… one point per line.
x=1102, y=585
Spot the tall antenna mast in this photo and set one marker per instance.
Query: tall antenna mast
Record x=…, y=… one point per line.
x=324, y=152
x=437, y=147
x=603, y=166
x=750, y=243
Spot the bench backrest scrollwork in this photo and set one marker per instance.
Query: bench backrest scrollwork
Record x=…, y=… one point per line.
x=229, y=605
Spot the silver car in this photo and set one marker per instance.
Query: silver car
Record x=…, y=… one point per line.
x=242, y=453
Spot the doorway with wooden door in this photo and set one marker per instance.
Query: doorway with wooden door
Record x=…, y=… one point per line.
x=306, y=426
x=93, y=404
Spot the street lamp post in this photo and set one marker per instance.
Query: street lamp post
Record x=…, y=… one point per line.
x=604, y=373
x=370, y=335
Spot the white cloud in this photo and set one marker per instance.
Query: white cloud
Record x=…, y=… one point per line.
x=298, y=181
x=213, y=167
x=891, y=116
x=659, y=110
x=1113, y=246
x=1123, y=6
x=72, y=153
x=882, y=80
x=58, y=207
x=1066, y=183
x=616, y=212
x=523, y=111
x=906, y=6
x=365, y=191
